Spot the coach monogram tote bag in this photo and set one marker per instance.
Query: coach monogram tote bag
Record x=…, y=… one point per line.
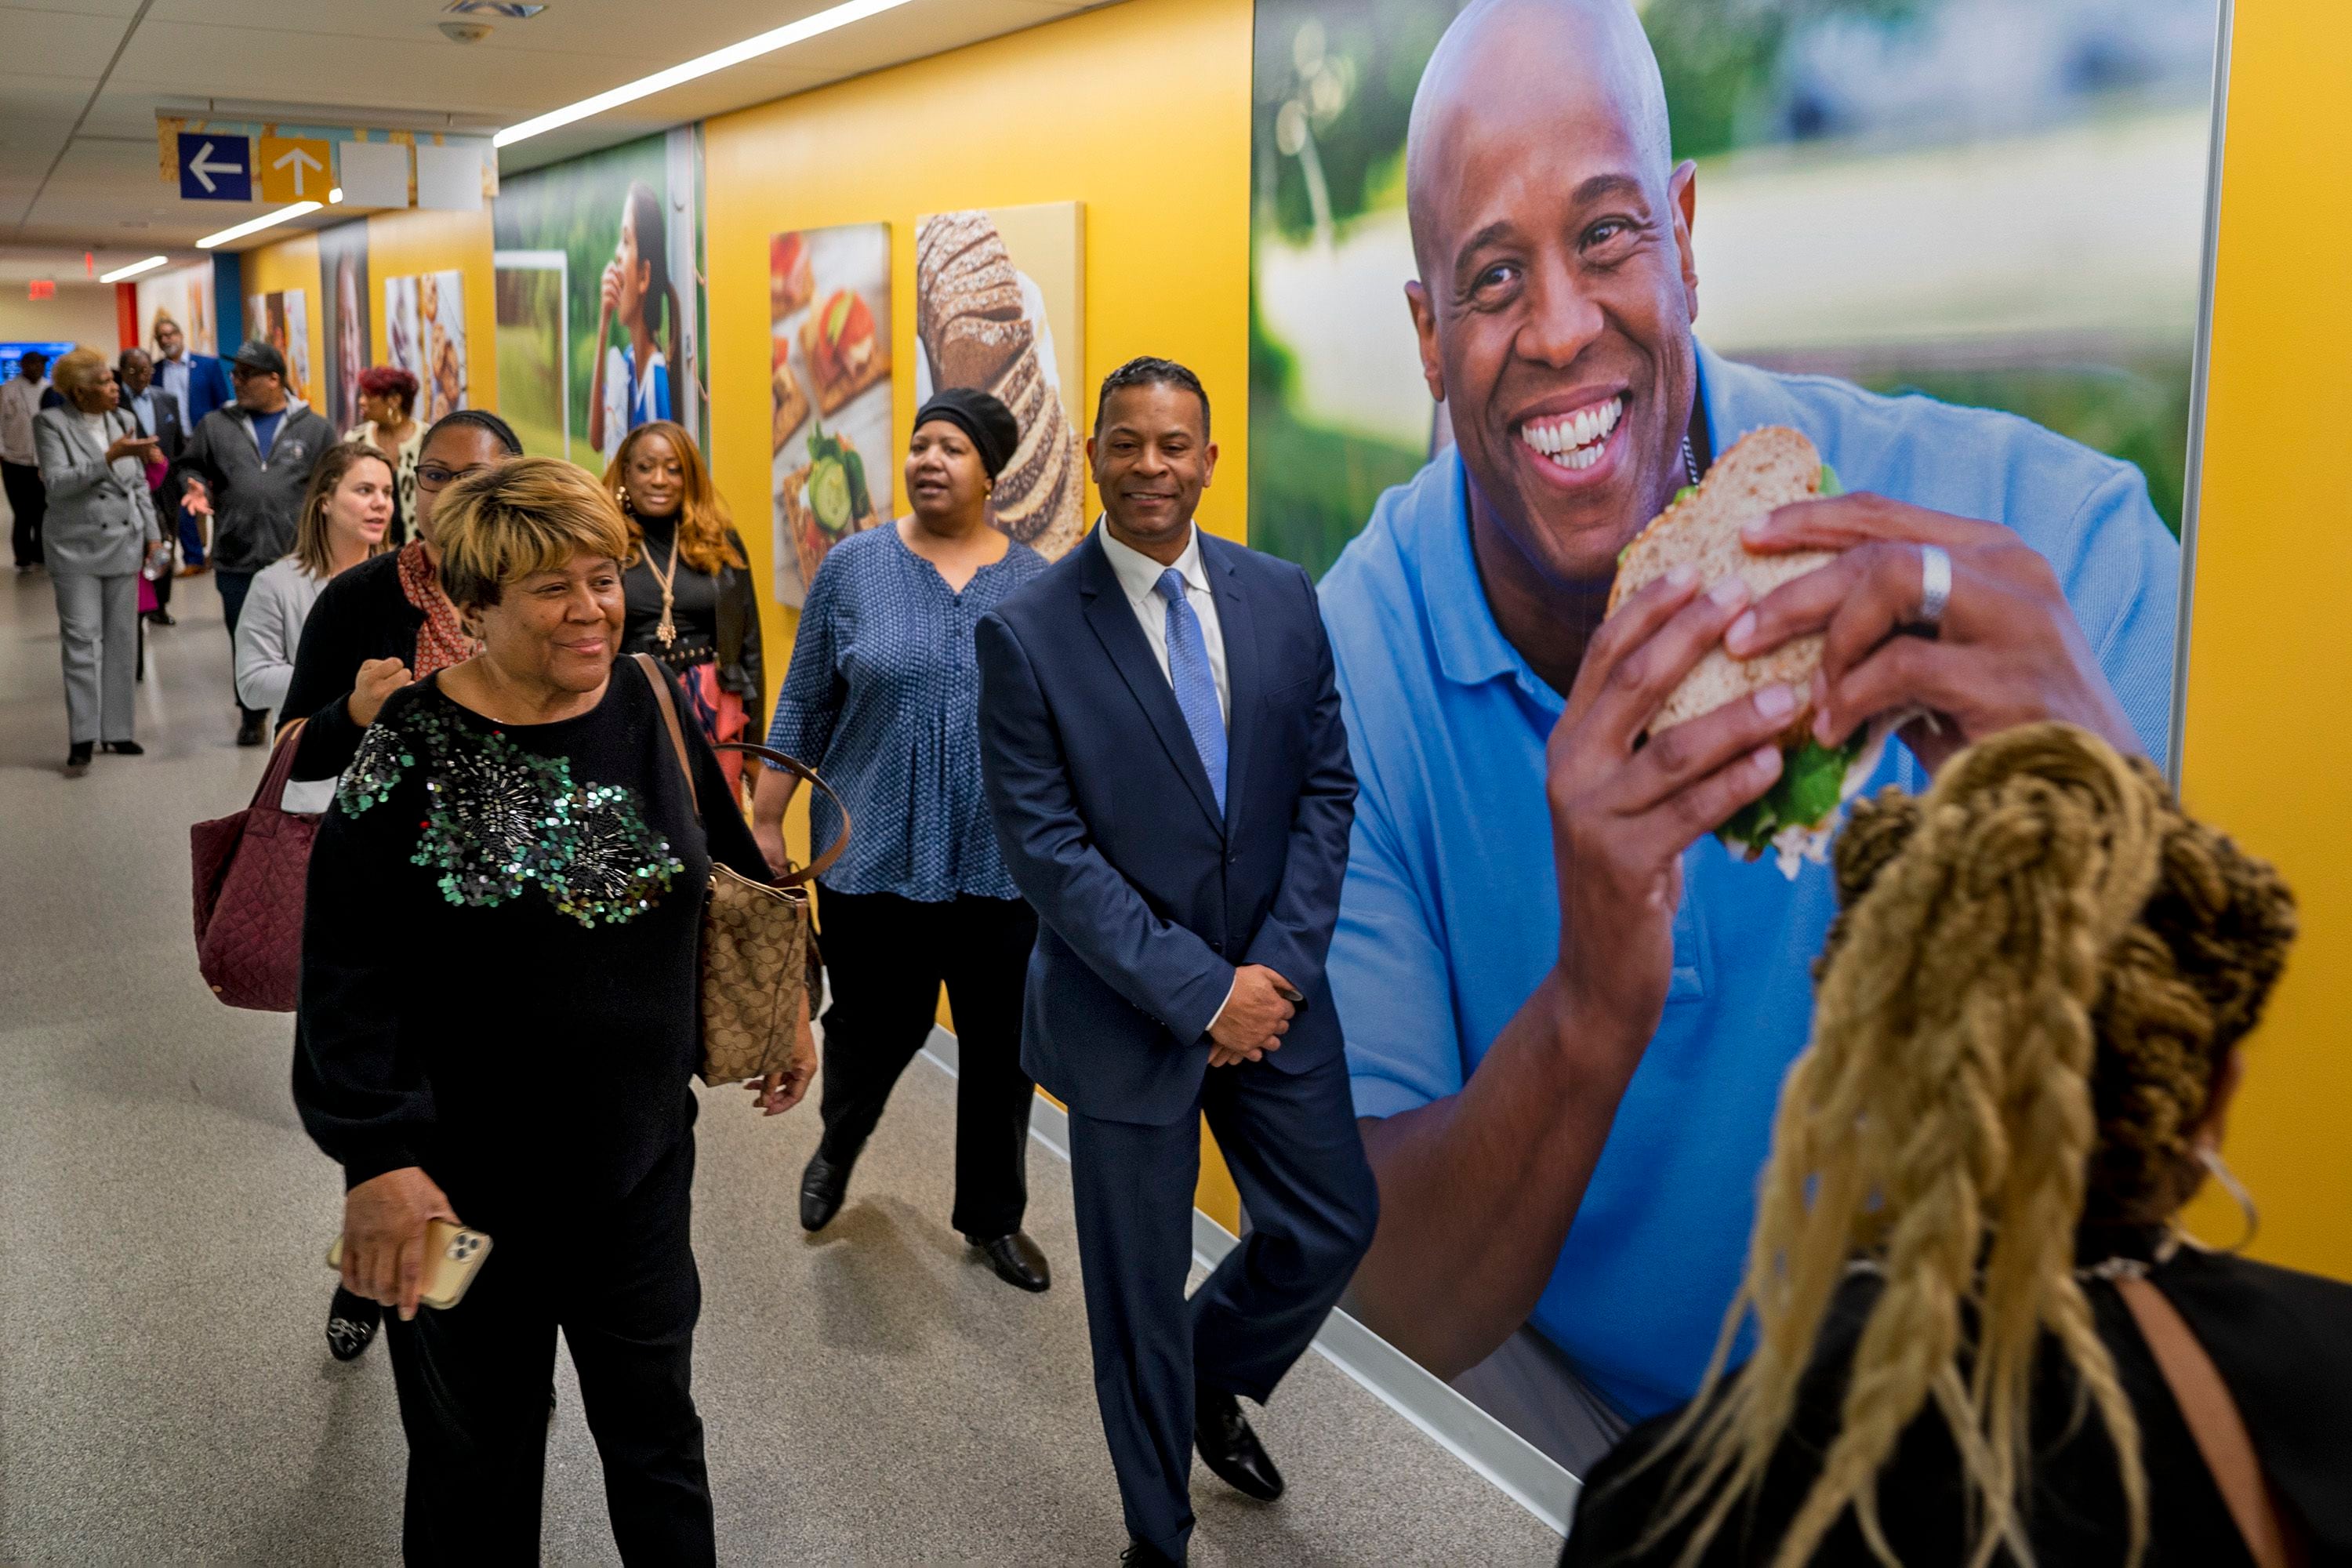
x=757, y=956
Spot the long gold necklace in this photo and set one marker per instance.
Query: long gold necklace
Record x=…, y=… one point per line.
x=667, y=632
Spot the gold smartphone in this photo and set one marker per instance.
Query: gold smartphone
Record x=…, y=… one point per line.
x=453, y=1255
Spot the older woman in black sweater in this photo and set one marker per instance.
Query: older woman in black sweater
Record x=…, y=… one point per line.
x=522, y=817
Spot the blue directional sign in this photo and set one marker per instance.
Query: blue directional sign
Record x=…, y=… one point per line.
x=214, y=167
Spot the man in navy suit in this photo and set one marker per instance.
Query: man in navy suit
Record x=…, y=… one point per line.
x=1165, y=763
x=196, y=384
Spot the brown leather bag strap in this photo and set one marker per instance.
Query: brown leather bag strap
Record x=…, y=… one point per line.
x=800, y=770
x=655, y=678
x=2213, y=1420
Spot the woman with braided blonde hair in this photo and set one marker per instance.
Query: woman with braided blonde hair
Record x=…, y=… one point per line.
x=1977, y=1337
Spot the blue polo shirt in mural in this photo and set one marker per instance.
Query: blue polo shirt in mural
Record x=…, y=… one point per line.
x=1450, y=917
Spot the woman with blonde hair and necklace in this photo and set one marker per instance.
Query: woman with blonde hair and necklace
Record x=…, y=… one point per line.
x=691, y=601
x=1979, y=1336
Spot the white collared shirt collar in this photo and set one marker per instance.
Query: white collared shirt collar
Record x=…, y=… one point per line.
x=1138, y=579
x=1138, y=573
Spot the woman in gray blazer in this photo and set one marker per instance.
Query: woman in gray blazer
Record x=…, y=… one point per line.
x=99, y=527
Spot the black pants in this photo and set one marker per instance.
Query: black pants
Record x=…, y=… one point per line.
x=473, y=1382
x=233, y=586
x=1291, y=1141
x=28, y=500
x=886, y=958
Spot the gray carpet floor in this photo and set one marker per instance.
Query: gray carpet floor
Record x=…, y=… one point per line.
x=873, y=1396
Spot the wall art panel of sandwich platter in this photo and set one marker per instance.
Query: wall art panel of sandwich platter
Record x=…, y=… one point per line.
x=829, y=375
x=1000, y=304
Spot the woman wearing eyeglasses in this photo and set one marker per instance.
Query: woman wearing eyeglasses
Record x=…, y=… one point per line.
x=384, y=624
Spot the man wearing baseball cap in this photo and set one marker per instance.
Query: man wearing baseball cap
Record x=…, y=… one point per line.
x=255, y=457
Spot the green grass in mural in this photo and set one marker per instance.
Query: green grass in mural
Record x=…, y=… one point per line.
x=2137, y=410
x=1312, y=488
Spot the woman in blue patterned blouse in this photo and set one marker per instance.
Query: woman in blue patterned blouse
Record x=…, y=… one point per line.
x=883, y=696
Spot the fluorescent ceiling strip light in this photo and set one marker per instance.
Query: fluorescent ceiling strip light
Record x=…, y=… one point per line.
x=767, y=43
x=134, y=269
x=256, y=225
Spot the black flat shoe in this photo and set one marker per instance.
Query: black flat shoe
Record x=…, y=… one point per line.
x=352, y=1323
x=249, y=732
x=78, y=758
x=162, y=618
x=1017, y=1261
x=124, y=749
x=822, y=1187
x=1144, y=1554
x=1229, y=1448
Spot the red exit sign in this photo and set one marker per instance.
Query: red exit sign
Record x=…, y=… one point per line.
x=41, y=288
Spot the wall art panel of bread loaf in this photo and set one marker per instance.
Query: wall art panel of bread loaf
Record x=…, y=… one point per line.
x=1000, y=304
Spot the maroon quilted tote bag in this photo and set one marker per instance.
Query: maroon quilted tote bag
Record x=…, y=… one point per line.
x=249, y=872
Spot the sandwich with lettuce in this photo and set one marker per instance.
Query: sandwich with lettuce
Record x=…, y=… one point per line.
x=1766, y=468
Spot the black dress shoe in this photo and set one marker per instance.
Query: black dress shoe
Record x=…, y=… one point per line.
x=352, y=1323
x=1017, y=1260
x=1229, y=1448
x=822, y=1187
x=162, y=618
x=124, y=749
x=249, y=732
x=1144, y=1554
x=78, y=758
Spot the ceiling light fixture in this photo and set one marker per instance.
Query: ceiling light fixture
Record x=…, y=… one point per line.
x=134, y=269
x=256, y=225
x=752, y=49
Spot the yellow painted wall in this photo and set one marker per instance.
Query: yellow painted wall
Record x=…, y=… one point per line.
x=1047, y=115
x=290, y=263
x=399, y=244
x=2263, y=755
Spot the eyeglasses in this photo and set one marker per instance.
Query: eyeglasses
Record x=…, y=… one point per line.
x=433, y=475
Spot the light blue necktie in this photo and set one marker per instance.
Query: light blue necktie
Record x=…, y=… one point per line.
x=1196, y=686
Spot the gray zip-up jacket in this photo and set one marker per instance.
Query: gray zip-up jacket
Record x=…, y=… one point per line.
x=255, y=503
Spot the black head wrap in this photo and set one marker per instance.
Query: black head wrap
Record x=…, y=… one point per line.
x=994, y=432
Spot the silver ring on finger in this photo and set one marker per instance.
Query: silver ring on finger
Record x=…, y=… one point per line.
x=1934, y=586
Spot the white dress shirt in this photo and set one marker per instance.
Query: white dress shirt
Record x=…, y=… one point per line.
x=172, y=375
x=1138, y=577
x=1138, y=574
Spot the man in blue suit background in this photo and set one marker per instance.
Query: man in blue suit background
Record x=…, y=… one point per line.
x=196, y=384
x=1168, y=773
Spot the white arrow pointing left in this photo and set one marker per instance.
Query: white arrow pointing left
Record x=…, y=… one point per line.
x=203, y=168
x=301, y=160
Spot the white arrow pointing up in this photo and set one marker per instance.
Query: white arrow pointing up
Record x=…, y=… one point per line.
x=203, y=168
x=301, y=160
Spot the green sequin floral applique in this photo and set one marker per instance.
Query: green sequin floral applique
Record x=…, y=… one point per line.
x=500, y=819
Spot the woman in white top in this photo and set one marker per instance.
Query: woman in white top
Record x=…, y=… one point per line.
x=345, y=514
x=100, y=525
x=389, y=424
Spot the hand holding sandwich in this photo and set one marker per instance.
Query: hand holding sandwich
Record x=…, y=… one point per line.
x=1623, y=810
x=2006, y=651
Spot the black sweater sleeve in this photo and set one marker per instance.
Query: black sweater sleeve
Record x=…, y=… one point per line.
x=754, y=664
x=362, y=1097
x=326, y=663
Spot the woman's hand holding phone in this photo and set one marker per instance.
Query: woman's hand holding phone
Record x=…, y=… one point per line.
x=384, y=1219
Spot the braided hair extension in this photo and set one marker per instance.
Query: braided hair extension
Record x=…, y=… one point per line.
x=2037, y=972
